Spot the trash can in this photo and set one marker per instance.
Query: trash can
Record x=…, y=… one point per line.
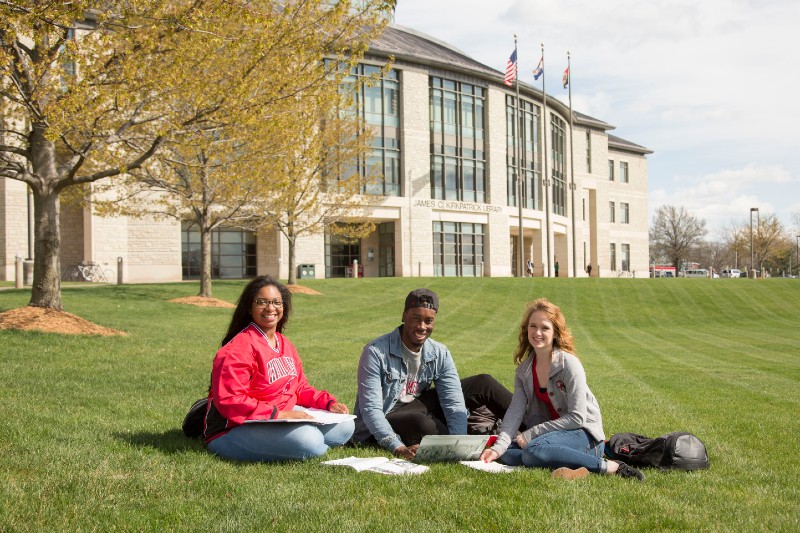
x=306, y=272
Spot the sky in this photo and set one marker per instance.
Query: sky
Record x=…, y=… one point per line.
x=710, y=86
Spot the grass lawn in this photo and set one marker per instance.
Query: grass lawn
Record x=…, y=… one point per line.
x=91, y=434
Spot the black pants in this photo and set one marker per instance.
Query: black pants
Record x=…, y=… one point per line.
x=484, y=397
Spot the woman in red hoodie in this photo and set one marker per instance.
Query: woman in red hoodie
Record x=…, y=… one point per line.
x=257, y=375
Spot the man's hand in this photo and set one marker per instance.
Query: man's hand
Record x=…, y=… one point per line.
x=406, y=452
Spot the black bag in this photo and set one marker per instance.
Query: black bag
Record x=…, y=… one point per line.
x=678, y=450
x=481, y=421
x=194, y=422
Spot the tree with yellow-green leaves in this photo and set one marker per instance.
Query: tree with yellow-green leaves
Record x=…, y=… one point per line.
x=324, y=170
x=91, y=91
x=769, y=240
x=229, y=168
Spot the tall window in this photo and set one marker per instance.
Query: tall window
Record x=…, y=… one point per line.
x=623, y=172
x=557, y=129
x=70, y=69
x=624, y=212
x=610, y=170
x=589, y=152
x=612, y=215
x=626, y=257
x=457, y=248
x=340, y=253
x=233, y=253
x=458, y=160
x=613, y=250
x=528, y=127
x=386, y=249
x=379, y=104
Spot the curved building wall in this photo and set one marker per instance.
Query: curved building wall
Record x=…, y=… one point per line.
x=437, y=232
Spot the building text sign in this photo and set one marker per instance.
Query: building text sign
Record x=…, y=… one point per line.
x=458, y=206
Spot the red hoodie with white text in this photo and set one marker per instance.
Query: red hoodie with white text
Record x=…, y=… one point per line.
x=250, y=380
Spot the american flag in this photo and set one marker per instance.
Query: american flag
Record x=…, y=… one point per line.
x=511, y=68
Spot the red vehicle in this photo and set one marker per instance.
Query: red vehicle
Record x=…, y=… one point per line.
x=662, y=271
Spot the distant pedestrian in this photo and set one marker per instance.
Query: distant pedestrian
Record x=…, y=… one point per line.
x=530, y=267
x=556, y=267
x=589, y=269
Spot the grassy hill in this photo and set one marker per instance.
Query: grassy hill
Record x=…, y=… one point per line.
x=91, y=425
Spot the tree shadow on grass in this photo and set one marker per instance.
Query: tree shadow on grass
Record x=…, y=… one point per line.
x=170, y=442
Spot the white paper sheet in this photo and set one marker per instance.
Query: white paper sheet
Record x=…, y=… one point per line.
x=493, y=467
x=320, y=417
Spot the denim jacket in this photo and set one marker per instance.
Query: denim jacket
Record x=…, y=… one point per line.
x=381, y=373
x=569, y=394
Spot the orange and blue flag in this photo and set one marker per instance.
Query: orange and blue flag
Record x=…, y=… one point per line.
x=539, y=70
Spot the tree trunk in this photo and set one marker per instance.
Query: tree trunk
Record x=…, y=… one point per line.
x=205, y=261
x=46, y=290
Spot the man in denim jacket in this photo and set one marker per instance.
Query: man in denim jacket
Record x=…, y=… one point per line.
x=396, y=405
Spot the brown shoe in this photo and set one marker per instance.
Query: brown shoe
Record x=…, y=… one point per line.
x=570, y=473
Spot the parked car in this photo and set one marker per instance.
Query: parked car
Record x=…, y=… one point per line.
x=732, y=273
x=696, y=273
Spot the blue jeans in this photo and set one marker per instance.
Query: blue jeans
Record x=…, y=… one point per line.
x=573, y=449
x=280, y=441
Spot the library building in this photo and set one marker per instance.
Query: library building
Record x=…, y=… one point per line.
x=449, y=204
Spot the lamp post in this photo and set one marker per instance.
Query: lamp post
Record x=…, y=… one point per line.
x=797, y=254
x=752, y=260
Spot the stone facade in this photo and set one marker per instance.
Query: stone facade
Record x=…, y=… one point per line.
x=150, y=250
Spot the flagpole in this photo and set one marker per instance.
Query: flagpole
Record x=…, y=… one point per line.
x=546, y=177
x=572, y=172
x=517, y=156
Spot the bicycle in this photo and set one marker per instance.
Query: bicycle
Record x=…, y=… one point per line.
x=91, y=272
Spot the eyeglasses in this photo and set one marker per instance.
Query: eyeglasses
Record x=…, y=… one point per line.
x=262, y=303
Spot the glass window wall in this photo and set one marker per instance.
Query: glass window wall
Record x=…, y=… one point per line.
x=458, y=249
x=458, y=161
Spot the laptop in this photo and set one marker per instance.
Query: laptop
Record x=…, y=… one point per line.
x=452, y=448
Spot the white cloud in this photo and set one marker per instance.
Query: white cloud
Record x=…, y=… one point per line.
x=725, y=196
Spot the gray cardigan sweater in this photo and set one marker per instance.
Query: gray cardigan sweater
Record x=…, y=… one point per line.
x=569, y=394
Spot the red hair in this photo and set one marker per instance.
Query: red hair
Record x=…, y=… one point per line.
x=562, y=336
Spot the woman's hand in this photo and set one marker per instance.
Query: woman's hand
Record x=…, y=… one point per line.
x=338, y=408
x=489, y=455
x=521, y=442
x=294, y=415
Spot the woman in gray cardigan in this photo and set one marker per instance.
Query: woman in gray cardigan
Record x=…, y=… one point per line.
x=552, y=400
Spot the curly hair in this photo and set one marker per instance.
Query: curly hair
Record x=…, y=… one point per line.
x=562, y=336
x=241, y=315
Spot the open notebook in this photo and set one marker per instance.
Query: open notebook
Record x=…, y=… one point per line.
x=452, y=448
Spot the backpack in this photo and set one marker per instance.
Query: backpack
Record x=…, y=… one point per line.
x=482, y=421
x=678, y=450
x=194, y=422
